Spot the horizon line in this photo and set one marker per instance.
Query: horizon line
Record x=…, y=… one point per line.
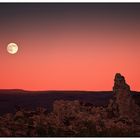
x=52, y=90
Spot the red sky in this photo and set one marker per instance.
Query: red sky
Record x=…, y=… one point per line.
x=69, y=47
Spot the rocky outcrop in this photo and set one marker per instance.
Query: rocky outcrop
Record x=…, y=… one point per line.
x=120, y=84
x=123, y=105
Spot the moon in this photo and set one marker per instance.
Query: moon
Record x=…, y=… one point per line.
x=12, y=48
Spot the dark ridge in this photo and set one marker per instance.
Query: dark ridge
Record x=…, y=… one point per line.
x=31, y=99
x=51, y=91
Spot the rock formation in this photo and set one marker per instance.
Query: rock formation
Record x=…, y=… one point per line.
x=122, y=105
x=120, y=84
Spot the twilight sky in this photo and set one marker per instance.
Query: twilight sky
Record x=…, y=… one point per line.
x=69, y=46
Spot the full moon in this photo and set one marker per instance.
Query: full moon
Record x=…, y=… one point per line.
x=12, y=48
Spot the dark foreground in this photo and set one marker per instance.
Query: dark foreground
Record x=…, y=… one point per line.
x=10, y=99
x=62, y=114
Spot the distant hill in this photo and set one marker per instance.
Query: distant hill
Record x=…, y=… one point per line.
x=31, y=99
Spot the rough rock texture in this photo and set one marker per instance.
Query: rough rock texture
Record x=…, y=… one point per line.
x=120, y=84
x=123, y=105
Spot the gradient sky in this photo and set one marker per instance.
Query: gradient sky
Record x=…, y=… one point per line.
x=69, y=46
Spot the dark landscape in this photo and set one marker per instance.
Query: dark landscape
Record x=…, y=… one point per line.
x=9, y=99
x=71, y=113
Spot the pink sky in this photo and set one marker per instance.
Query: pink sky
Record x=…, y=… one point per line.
x=70, y=55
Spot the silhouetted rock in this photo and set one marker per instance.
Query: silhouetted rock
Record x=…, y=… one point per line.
x=120, y=84
x=123, y=105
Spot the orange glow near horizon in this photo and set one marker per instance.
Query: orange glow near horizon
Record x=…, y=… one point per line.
x=70, y=55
